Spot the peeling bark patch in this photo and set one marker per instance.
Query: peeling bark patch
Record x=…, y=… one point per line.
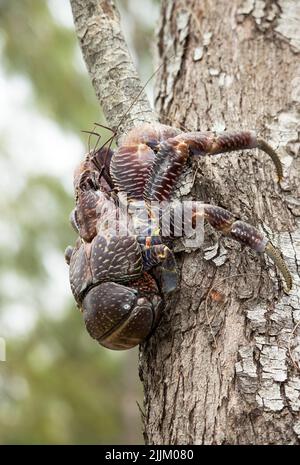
x=273, y=362
x=214, y=72
x=289, y=22
x=207, y=36
x=257, y=318
x=263, y=370
x=216, y=253
x=198, y=53
x=246, y=371
x=284, y=130
x=225, y=80
x=292, y=392
x=246, y=8
x=259, y=10
x=269, y=369
x=174, y=66
x=182, y=24
x=296, y=428
x=295, y=94
x=269, y=397
x=283, y=16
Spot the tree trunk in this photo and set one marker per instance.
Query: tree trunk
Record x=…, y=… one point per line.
x=108, y=61
x=223, y=366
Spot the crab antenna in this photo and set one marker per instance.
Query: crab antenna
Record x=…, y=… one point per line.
x=90, y=132
x=104, y=127
x=97, y=142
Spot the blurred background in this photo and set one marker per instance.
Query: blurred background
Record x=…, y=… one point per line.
x=57, y=385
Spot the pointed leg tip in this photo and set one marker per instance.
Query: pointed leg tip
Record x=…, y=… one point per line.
x=275, y=255
x=288, y=284
x=265, y=147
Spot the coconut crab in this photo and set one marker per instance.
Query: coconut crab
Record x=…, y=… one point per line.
x=119, y=277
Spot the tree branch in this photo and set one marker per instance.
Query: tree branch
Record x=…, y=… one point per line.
x=109, y=64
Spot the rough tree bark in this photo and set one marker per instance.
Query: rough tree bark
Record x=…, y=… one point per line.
x=233, y=380
x=223, y=366
x=109, y=63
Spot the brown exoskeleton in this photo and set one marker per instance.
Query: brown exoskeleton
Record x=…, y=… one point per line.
x=119, y=278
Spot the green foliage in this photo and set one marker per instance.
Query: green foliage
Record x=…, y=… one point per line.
x=57, y=386
x=38, y=217
x=35, y=45
x=62, y=389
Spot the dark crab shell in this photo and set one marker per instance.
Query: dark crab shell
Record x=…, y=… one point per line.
x=117, y=259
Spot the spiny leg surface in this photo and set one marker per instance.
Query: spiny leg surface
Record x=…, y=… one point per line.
x=224, y=221
x=173, y=153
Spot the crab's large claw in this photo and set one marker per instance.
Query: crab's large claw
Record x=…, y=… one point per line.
x=119, y=317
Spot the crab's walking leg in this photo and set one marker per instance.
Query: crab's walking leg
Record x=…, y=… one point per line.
x=213, y=144
x=225, y=222
x=173, y=153
x=160, y=254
